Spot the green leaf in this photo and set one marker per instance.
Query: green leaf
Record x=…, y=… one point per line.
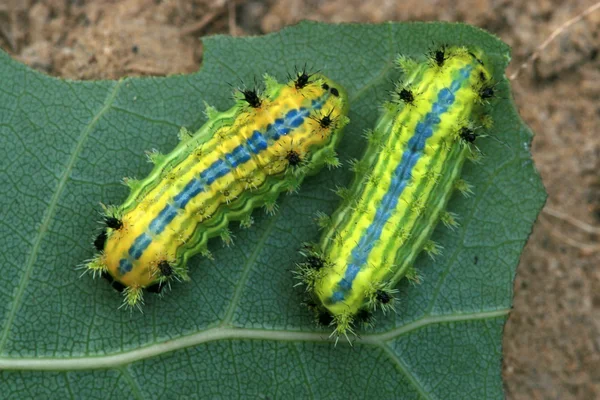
x=238, y=329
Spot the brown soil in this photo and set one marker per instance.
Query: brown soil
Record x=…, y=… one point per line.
x=552, y=340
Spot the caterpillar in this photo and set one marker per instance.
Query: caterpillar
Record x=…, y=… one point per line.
x=240, y=159
x=400, y=190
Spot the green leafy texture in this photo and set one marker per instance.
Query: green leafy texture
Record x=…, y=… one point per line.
x=238, y=329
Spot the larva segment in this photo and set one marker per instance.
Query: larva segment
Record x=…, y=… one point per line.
x=239, y=160
x=407, y=175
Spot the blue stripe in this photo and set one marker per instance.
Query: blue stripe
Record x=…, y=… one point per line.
x=401, y=177
x=191, y=190
x=257, y=143
x=238, y=156
x=139, y=245
x=125, y=266
x=164, y=217
x=218, y=169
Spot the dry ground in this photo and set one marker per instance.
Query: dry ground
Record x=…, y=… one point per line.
x=552, y=340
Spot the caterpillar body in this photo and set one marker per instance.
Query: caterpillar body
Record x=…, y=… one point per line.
x=401, y=187
x=238, y=160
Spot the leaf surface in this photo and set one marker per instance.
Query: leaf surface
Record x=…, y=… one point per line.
x=238, y=329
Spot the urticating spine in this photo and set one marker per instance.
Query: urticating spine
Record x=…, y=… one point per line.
x=401, y=188
x=239, y=160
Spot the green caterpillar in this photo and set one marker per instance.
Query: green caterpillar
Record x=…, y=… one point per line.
x=239, y=160
x=401, y=188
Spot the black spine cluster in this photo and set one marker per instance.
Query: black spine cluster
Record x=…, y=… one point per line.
x=383, y=297
x=363, y=316
x=326, y=121
x=467, y=134
x=486, y=92
x=118, y=286
x=439, y=56
x=252, y=98
x=100, y=240
x=113, y=223
x=302, y=80
x=165, y=268
x=293, y=158
x=315, y=262
x=406, y=96
x=324, y=318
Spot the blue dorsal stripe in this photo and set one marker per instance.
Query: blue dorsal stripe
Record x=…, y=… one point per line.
x=125, y=266
x=238, y=156
x=401, y=176
x=241, y=154
x=257, y=142
x=191, y=190
x=140, y=244
x=164, y=217
x=217, y=170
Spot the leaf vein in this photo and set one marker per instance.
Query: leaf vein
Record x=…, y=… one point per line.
x=49, y=214
x=223, y=333
x=403, y=368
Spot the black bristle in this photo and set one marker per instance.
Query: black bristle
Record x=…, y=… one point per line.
x=467, y=134
x=107, y=276
x=406, y=95
x=363, y=315
x=383, y=297
x=118, y=286
x=155, y=288
x=301, y=80
x=486, y=92
x=100, y=240
x=113, y=223
x=325, y=122
x=252, y=98
x=315, y=262
x=439, y=56
x=165, y=268
x=324, y=318
x=293, y=158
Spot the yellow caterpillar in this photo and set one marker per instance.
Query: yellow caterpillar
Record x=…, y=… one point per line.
x=401, y=188
x=239, y=160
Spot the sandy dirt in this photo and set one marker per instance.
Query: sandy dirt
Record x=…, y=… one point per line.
x=552, y=339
